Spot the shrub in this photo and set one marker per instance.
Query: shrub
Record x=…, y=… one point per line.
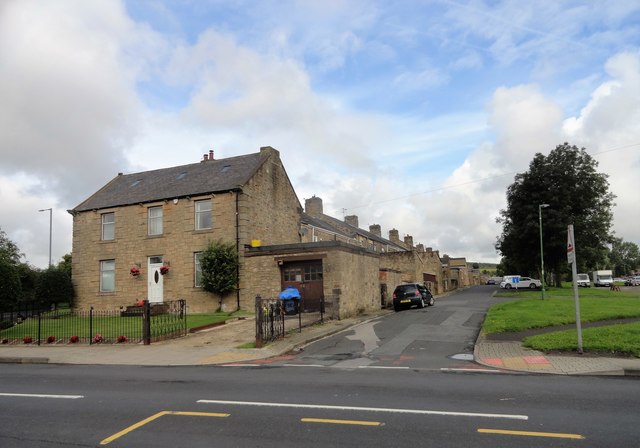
x=27, y=339
x=51, y=339
x=74, y=339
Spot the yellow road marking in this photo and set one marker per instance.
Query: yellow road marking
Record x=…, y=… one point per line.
x=531, y=434
x=156, y=416
x=340, y=422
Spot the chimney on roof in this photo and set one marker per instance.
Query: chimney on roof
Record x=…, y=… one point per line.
x=420, y=247
x=206, y=156
x=394, y=236
x=375, y=229
x=352, y=220
x=313, y=206
x=408, y=240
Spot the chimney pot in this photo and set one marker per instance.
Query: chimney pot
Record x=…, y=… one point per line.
x=211, y=154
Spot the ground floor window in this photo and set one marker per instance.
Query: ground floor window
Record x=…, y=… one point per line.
x=197, y=257
x=107, y=276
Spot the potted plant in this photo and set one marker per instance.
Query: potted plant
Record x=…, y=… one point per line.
x=134, y=271
x=164, y=269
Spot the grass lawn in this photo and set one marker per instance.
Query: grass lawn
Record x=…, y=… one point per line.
x=558, y=308
x=66, y=324
x=200, y=320
x=612, y=339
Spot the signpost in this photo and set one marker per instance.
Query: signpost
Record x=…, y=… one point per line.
x=571, y=259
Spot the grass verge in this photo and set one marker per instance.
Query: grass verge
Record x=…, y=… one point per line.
x=559, y=309
x=612, y=339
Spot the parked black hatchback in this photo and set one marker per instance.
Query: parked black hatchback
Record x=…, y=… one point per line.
x=410, y=294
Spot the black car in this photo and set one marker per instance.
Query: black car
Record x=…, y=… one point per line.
x=410, y=294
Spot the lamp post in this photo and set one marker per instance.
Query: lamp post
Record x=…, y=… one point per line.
x=50, y=227
x=540, y=207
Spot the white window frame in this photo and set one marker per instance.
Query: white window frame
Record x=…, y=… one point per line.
x=197, y=270
x=108, y=228
x=203, y=215
x=155, y=223
x=107, y=275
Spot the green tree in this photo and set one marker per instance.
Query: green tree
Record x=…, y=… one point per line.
x=8, y=249
x=567, y=180
x=219, y=264
x=65, y=264
x=624, y=256
x=53, y=287
x=10, y=288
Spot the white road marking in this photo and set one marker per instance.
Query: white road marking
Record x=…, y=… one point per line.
x=67, y=397
x=366, y=409
x=384, y=367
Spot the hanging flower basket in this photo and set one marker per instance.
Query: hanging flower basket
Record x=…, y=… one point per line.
x=164, y=270
x=135, y=271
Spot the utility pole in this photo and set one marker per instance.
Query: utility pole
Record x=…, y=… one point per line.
x=50, y=229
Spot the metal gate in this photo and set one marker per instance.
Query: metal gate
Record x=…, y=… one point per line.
x=269, y=320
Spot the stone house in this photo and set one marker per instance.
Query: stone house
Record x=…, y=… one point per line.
x=141, y=236
x=143, y=225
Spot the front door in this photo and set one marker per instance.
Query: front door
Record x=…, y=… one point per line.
x=154, y=283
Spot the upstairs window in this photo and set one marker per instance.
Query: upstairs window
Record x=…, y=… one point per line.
x=203, y=214
x=108, y=226
x=155, y=220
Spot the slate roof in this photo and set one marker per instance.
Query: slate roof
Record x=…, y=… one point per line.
x=336, y=226
x=210, y=176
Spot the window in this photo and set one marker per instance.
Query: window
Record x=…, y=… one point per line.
x=107, y=276
x=292, y=275
x=108, y=226
x=198, y=269
x=155, y=220
x=203, y=214
x=313, y=272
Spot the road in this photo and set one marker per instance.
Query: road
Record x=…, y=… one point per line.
x=437, y=337
x=292, y=402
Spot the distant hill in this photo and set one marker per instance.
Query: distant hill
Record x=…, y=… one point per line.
x=485, y=268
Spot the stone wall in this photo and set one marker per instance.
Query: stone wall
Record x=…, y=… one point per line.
x=350, y=275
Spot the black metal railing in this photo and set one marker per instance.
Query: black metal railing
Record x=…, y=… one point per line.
x=269, y=320
x=33, y=325
x=272, y=315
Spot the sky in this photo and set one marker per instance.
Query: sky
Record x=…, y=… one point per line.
x=415, y=115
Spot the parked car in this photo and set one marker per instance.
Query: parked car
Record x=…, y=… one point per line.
x=584, y=281
x=632, y=281
x=515, y=281
x=491, y=282
x=412, y=294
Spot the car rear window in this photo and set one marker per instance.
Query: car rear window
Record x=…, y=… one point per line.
x=405, y=288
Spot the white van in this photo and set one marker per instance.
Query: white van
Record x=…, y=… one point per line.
x=583, y=280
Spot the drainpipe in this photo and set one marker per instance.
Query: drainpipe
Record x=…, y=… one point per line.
x=238, y=247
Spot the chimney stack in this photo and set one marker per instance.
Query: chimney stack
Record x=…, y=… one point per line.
x=394, y=236
x=211, y=154
x=408, y=240
x=375, y=229
x=313, y=206
x=351, y=220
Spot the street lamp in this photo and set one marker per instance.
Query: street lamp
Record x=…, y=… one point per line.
x=50, y=227
x=540, y=207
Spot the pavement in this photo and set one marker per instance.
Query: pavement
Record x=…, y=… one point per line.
x=220, y=345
